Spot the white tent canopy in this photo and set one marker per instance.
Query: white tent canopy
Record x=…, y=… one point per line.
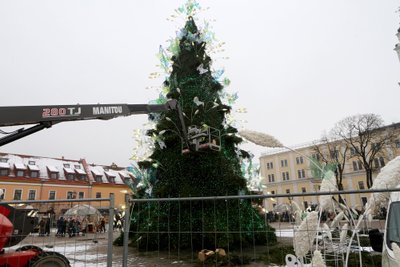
x=82, y=210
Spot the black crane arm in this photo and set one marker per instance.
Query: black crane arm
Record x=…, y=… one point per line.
x=46, y=116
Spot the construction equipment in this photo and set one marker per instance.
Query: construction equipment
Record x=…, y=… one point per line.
x=11, y=234
x=45, y=117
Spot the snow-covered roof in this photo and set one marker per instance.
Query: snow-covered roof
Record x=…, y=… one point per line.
x=45, y=166
x=69, y=170
x=4, y=165
x=33, y=167
x=97, y=172
x=20, y=166
x=80, y=171
x=110, y=174
x=52, y=168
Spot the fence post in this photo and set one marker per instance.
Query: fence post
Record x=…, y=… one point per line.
x=127, y=222
x=110, y=231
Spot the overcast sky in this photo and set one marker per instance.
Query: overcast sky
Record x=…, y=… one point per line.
x=298, y=66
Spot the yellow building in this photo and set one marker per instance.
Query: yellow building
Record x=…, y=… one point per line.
x=286, y=171
x=24, y=177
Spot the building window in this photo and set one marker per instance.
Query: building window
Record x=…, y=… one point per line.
x=31, y=162
x=81, y=195
x=32, y=195
x=4, y=160
x=70, y=176
x=376, y=163
x=357, y=165
x=52, y=195
x=285, y=176
x=17, y=194
x=352, y=151
x=270, y=165
x=287, y=191
x=299, y=160
x=315, y=157
x=3, y=196
x=98, y=179
x=66, y=165
x=53, y=175
x=77, y=167
x=111, y=179
x=284, y=163
x=271, y=178
x=4, y=172
x=301, y=174
x=71, y=195
x=34, y=174
x=98, y=194
x=382, y=161
x=364, y=200
x=361, y=185
x=375, y=146
x=20, y=173
x=334, y=154
x=303, y=189
x=379, y=162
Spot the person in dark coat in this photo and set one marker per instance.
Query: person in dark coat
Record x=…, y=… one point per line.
x=47, y=227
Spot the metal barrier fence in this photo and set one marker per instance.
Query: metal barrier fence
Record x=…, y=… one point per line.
x=75, y=231
x=341, y=236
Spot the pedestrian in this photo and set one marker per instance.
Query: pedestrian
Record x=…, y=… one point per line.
x=42, y=227
x=47, y=227
x=63, y=227
x=102, y=225
x=71, y=230
x=59, y=225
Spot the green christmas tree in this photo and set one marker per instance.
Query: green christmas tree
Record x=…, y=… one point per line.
x=179, y=167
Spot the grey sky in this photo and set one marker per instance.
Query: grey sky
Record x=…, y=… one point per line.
x=298, y=66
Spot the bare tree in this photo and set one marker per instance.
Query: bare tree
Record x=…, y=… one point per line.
x=366, y=137
x=333, y=154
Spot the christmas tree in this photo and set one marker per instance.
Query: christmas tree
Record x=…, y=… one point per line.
x=203, y=161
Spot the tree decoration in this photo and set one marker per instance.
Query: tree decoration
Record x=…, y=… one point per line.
x=317, y=260
x=327, y=231
x=388, y=178
x=177, y=170
x=337, y=219
x=304, y=236
x=343, y=233
x=328, y=184
x=260, y=139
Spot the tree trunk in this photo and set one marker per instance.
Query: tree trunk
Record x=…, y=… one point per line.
x=369, y=177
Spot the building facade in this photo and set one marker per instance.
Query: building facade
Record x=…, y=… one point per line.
x=24, y=177
x=286, y=171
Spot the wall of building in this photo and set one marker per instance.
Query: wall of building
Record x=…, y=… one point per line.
x=74, y=180
x=293, y=162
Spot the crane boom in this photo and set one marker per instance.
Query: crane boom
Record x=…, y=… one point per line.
x=47, y=116
x=22, y=115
